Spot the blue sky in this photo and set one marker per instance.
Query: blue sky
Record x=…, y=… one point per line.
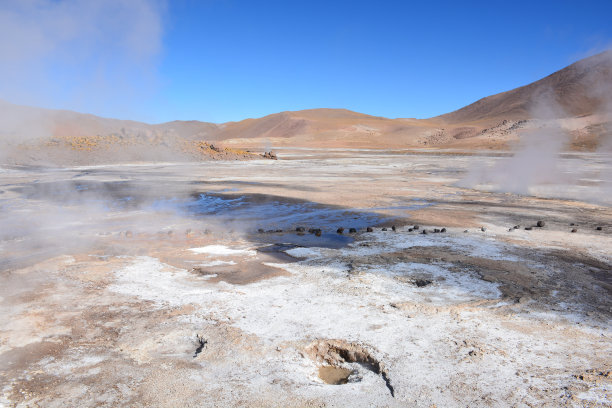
x=223, y=60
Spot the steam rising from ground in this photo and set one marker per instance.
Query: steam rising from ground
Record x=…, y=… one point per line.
x=76, y=54
x=79, y=54
x=537, y=158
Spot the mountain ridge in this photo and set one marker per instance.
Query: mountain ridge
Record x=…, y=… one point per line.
x=580, y=93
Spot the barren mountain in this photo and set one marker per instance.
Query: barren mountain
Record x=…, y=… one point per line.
x=579, y=89
x=578, y=95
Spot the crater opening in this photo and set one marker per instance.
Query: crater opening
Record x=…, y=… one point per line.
x=334, y=375
x=335, y=354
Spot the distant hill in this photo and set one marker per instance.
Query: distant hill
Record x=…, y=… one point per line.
x=577, y=89
x=579, y=93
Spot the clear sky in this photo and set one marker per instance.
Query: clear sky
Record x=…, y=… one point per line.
x=223, y=60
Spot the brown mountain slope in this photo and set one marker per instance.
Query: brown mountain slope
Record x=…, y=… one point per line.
x=581, y=90
x=44, y=136
x=576, y=89
x=322, y=128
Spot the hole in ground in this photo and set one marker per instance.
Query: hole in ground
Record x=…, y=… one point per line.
x=335, y=353
x=334, y=375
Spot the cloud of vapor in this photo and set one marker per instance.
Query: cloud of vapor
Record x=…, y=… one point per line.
x=535, y=160
x=46, y=213
x=96, y=56
x=538, y=165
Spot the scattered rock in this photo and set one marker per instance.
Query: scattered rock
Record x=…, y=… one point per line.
x=436, y=230
x=416, y=227
x=443, y=230
x=369, y=229
x=201, y=342
x=422, y=282
x=595, y=375
x=340, y=230
x=260, y=230
x=318, y=232
x=528, y=228
x=300, y=229
x=268, y=155
x=599, y=228
x=384, y=228
x=540, y=223
x=517, y=227
x=352, y=230
x=483, y=229
x=574, y=230
x=410, y=230
x=393, y=228
x=424, y=232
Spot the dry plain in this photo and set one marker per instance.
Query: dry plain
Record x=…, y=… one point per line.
x=191, y=284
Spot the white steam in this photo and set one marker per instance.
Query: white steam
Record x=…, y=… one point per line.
x=537, y=163
x=90, y=55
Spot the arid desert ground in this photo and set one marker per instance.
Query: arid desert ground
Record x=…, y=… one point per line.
x=227, y=283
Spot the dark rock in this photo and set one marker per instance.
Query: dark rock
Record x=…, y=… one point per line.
x=483, y=229
x=311, y=230
x=416, y=227
x=528, y=228
x=436, y=230
x=340, y=230
x=599, y=228
x=572, y=224
x=369, y=229
x=424, y=232
x=352, y=230
x=410, y=229
x=575, y=230
x=384, y=228
x=300, y=229
x=279, y=230
x=269, y=155
x=261, y=231
x=443, y=230
x=318, y=232
x=393, y=228
x=540, y=223
x=270, y=231
x=517, y=227
x=422, y=282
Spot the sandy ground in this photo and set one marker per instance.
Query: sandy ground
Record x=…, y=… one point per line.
x=150, y=285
